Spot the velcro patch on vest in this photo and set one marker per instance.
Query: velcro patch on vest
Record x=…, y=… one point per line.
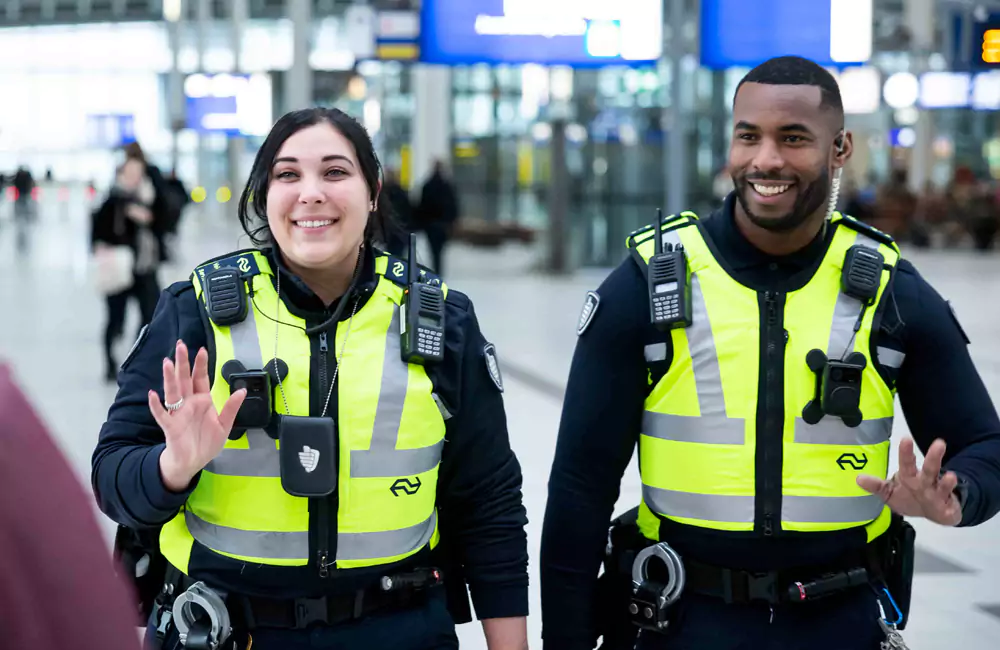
x=398, y=271
x=493, y=365
x=590, y=304
x=245, y=263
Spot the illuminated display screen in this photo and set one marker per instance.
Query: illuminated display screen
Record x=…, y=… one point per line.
x=578, y=33
x=991, y=46
x=748, y=32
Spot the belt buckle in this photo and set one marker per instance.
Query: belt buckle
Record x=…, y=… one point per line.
x=762, y=587
x=309, y=611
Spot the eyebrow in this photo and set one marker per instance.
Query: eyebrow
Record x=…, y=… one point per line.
x=786, y=128
x=336, y=156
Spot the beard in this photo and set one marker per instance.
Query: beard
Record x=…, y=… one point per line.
x=809, y=200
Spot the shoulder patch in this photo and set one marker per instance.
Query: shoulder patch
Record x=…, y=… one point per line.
x=493, y=365
x=954, y=317
x=398, y=271
x=135, y=346
x=590, y=305
x=244, y=261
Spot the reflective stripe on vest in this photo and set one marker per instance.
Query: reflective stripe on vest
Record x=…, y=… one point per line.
x=295, y=546
x=382, y=459
x=261, y=459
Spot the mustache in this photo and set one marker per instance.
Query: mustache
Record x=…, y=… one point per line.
x=749, y=178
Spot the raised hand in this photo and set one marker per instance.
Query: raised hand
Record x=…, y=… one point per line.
x=919, y=493
x=195, y=432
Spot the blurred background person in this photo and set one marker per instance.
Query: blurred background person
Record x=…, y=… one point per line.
x=23, y=184
x=437, y=213
x=895, y=206
x=398, y=199
x=126, y=223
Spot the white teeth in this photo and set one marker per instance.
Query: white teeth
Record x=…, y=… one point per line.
x=313, y=224
x=770, y=190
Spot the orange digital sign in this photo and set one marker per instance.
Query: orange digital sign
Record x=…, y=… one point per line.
x=991, y=46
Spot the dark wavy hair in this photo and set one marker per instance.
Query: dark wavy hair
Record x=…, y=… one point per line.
x=253, y=201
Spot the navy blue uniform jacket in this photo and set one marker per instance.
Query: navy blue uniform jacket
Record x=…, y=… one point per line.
x=941, y=394
x=479, y=484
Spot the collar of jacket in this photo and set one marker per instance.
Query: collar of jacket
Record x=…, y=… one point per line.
x=303, y=301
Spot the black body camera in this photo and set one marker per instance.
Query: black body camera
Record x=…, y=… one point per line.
x=421, y=320
x=669, y=284
x=838, y=381
x=258, y=405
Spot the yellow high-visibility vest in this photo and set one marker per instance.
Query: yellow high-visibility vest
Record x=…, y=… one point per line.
x=702, y=430
x=389, y=425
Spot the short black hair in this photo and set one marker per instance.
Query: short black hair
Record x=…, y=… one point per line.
x=797, y=71
x=253, y=201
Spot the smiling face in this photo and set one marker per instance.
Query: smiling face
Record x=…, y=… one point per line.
x=318, y=202
x=782, y=155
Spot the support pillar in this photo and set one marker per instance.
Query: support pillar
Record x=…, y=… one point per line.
x=676, y=128
x=299, y=80
x=920, y=22
x=431, y=122
x=236, y=146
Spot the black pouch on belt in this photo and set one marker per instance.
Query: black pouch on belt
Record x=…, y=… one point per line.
x=614, y=586
x=308, y=455
x=896, y=556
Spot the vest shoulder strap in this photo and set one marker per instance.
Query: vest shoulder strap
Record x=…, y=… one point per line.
x=249, y=262
x=644, y=234
x=640, y=243
x=869, y=231
x=397, y=271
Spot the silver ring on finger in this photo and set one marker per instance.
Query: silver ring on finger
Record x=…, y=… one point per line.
x=175, y=406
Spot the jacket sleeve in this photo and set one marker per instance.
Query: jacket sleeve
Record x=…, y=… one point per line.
x=601, y=419
x=943, y=396
x=125, y=470
x=479, y=488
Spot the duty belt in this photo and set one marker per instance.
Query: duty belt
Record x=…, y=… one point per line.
x=395, y=592
x=776, y=587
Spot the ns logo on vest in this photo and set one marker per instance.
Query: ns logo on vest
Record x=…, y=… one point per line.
x=405, y=486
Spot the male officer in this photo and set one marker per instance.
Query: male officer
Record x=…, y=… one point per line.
x=762, y=411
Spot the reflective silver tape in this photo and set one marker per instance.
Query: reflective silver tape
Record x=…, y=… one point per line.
x=386, y=543
x=890, y=358
x=261, y=459
x=708, y=507
x=445, y=413
x=655, y=352
x=382, y=459
x=684, y=428
x=832, y=431
x=249, y=543
x=822, y=510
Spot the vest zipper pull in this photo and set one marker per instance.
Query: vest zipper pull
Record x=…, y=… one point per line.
x=322, y=343
x=324, y=570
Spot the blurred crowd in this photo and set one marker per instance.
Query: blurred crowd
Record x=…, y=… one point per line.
x=964, y=214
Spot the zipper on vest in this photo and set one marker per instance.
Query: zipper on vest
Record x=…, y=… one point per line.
x=324, y=349
x=322, y=503
x=322, y=534
x=770, y=426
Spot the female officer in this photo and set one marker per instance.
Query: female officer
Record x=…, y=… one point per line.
x=306, y=467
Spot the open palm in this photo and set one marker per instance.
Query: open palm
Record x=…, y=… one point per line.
x=196, y=432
